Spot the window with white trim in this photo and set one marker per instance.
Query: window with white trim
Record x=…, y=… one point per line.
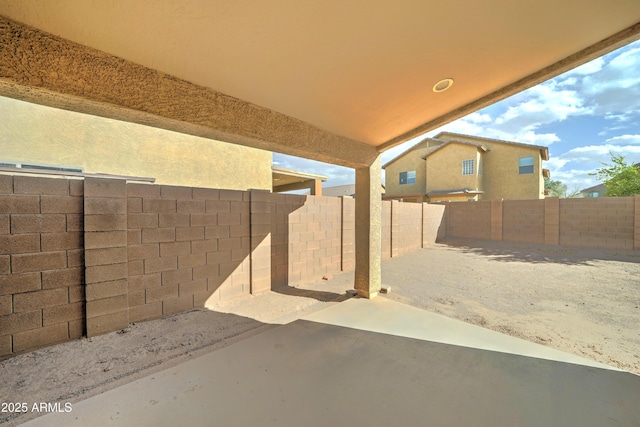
x=467, y=167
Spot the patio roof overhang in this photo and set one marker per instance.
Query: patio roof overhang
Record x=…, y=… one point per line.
x=335, y=82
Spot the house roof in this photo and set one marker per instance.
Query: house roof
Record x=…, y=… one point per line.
x=447, y=143
x=600, y=188
x=272, y=75
x=445, y=138
x=450, y=136
x=418, y=146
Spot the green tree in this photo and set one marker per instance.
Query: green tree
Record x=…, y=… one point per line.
x=556, y=188
x=621, y=179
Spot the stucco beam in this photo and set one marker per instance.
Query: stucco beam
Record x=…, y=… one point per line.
x=590, y=53
x=45, y=69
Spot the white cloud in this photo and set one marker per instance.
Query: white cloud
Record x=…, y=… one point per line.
x=615, y=89
x=624, y=140
x=575, y=166
x=478, y=118
x=575, y=179
x=555, y=163
x=530, y=137
x=465, y=126
x=543, y=104
x=571, y=81
x=591, y=157
x=588, y=68
x=603, y=150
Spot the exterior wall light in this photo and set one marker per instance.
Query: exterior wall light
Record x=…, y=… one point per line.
x=442, y=85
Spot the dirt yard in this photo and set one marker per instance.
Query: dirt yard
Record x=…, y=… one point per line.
x=581, y=301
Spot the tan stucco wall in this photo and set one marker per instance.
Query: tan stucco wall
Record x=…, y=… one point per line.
x=412, y=161
x=501, y=175
x=33, y=133
x=444, y=168
x=500, y=178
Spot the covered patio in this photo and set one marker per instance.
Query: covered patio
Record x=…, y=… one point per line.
x=374, y=363
x=340, y=83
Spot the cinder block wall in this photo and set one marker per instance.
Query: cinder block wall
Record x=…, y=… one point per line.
x=315, y=238
x=87, y=257
x=348, y=234
x=274, y=219
x=606, y=222
x=433, y=224
x=41, y=262
x=406, y=227
x=386, y=229
x=470, y=220
x=186, y=247
x=105, y=239
x=523, y=221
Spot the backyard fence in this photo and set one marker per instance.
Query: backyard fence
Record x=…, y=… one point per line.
x=82, y=257
x=606, y=222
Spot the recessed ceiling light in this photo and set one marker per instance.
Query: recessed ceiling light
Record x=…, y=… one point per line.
x=443, y=85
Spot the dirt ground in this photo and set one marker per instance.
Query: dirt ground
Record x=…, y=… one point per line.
x=581, y=301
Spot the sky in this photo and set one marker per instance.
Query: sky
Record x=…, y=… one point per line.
x=582, y=116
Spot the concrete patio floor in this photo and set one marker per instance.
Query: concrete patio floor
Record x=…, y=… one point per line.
x=375, y=363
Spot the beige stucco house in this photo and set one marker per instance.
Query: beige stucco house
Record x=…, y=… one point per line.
x=36, y=136
x=455, y=167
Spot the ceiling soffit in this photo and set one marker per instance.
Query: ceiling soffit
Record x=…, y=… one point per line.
x=353, y=72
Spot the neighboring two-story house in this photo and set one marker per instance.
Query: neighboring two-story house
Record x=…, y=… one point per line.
x=455, y=167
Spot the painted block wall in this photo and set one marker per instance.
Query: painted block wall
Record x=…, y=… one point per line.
x=523, y=221
x=88, y=257
x=469, y=219
x=604, y=222
x=42, y=299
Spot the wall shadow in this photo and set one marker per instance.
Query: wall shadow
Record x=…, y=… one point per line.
x=505, y=251
x=322, y=296
x=305, y=237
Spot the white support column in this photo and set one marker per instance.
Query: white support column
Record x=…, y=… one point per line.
x=368, y=229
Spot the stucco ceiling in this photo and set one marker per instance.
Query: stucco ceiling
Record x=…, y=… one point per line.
x=363, y=70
